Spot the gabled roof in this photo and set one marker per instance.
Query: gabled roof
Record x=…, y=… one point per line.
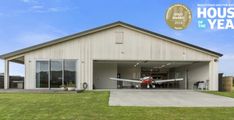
x=80, y=34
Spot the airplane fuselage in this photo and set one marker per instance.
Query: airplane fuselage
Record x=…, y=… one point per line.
x=146, y=81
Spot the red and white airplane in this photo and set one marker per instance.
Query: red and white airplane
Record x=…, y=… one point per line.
x=147, y=81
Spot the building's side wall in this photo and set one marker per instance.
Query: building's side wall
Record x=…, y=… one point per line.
x=101, y=46
x=213, y=75
x=102, y=72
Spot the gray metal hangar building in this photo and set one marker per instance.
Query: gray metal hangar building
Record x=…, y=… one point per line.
x=95, y=55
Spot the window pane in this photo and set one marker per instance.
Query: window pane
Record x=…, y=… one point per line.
x=56, y=74
x=42, y=74
x=70, y=73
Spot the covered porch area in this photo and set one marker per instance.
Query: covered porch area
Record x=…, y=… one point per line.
x=14, y=81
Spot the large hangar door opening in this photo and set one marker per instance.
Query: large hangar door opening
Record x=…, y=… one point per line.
x=191, y=72
x=157, y=70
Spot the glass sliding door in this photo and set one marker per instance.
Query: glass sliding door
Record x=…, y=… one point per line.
x=70, y=72
x=42, y=74
x=56, y=73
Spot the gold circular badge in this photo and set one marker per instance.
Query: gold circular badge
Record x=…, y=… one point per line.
x=178, y=17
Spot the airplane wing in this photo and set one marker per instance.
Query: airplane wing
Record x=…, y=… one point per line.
x=126, y=80
x=168, y=80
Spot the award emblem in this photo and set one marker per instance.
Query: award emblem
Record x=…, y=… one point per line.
x=178, y=17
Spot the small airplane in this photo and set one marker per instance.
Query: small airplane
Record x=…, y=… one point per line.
x=147, y=81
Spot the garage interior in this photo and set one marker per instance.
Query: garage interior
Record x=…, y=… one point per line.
x=190, y=71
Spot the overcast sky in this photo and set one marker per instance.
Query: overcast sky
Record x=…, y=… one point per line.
x=28, y=22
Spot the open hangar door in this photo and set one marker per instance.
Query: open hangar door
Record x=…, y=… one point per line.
x=190, y=71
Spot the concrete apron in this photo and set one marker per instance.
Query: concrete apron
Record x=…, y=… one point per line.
x=167, y=98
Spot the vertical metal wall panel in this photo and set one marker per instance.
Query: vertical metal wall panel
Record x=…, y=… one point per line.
x=102, y=46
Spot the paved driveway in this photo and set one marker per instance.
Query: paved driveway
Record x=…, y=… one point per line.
x=167, y=98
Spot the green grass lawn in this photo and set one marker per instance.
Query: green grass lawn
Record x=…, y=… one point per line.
x=227, y=94
x=94, y=106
